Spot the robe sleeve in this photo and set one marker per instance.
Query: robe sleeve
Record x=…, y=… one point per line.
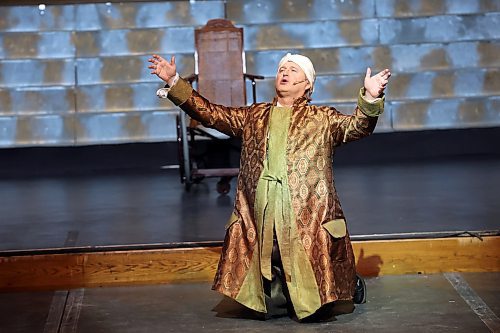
x=228, y=120
x=361, y=123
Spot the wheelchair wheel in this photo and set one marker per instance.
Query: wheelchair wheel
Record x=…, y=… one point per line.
x=184, y=165
x=223, y=185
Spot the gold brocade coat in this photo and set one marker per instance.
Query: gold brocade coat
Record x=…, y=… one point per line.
x=313, y=135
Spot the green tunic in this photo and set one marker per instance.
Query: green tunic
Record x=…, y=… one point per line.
x=273, y=210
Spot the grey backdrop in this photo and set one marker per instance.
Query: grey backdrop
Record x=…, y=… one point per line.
x=76, y=74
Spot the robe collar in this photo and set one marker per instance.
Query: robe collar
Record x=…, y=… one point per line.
x=298, y=103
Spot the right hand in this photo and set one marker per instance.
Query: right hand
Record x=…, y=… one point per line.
x=162, y=68
x=375, y=85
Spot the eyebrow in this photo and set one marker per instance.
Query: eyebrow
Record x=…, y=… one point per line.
x=291, y=66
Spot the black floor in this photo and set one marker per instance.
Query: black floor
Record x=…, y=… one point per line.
x=405, y=303
x=454, y=194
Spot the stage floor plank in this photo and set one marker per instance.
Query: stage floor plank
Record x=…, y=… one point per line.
x=405, y=303
x=95, y=210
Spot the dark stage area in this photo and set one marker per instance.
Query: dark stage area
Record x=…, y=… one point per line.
x=405, y=183
x=380, y=148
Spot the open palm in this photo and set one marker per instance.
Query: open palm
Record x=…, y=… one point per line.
x=164, y=69
x=375, y=85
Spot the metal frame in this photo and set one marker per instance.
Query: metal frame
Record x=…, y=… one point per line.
x=189, y=172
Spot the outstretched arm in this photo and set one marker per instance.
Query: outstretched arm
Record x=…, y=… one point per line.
x=228, y=120
x=370, y=105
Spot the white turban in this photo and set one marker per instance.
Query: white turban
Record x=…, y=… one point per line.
x=304, y=63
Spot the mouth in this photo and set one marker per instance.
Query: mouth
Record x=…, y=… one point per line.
x=284, y=81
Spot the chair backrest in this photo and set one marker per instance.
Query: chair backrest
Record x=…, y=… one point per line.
x=220, y=62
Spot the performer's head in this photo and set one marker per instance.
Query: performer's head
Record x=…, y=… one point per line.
x=295, y=76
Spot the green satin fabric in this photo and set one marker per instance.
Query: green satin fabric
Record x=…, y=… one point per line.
x=273, y=206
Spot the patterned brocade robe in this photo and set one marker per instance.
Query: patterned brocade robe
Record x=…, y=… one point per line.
x=322, y=264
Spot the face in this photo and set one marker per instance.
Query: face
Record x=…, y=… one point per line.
x=288, y=74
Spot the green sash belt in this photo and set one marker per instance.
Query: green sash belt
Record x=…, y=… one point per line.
x=277, y=216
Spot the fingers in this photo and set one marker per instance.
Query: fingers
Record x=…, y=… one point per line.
x=153, y=60
x=157, y=62
x=153, y=65
x=156, y=59
x=153, y=69
x=383, y=78
x=368, y=73
x=385, y=74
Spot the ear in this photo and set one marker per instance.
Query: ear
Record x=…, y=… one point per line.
x=308, y=85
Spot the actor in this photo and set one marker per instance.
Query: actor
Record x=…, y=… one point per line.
x=287, y=235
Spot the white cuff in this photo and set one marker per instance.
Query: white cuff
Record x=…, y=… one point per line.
x=163, y=92
x=174, y=81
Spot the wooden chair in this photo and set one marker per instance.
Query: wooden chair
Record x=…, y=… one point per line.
x=220, y=77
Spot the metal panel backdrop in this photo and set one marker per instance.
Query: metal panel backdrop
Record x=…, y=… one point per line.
x=76, y=74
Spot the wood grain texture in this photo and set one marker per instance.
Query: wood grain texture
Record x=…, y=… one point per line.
x=426, y=256
x=374, y=258
x=62, y=271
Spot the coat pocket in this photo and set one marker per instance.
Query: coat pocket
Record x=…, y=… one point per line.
x=336, y=228
x=233, y=218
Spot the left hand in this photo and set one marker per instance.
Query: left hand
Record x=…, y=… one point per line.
x=163, y=68
x=375, y=85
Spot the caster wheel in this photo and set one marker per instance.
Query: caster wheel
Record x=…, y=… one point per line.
x=223, y=187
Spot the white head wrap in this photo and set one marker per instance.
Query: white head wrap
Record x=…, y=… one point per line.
x=304, y=63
